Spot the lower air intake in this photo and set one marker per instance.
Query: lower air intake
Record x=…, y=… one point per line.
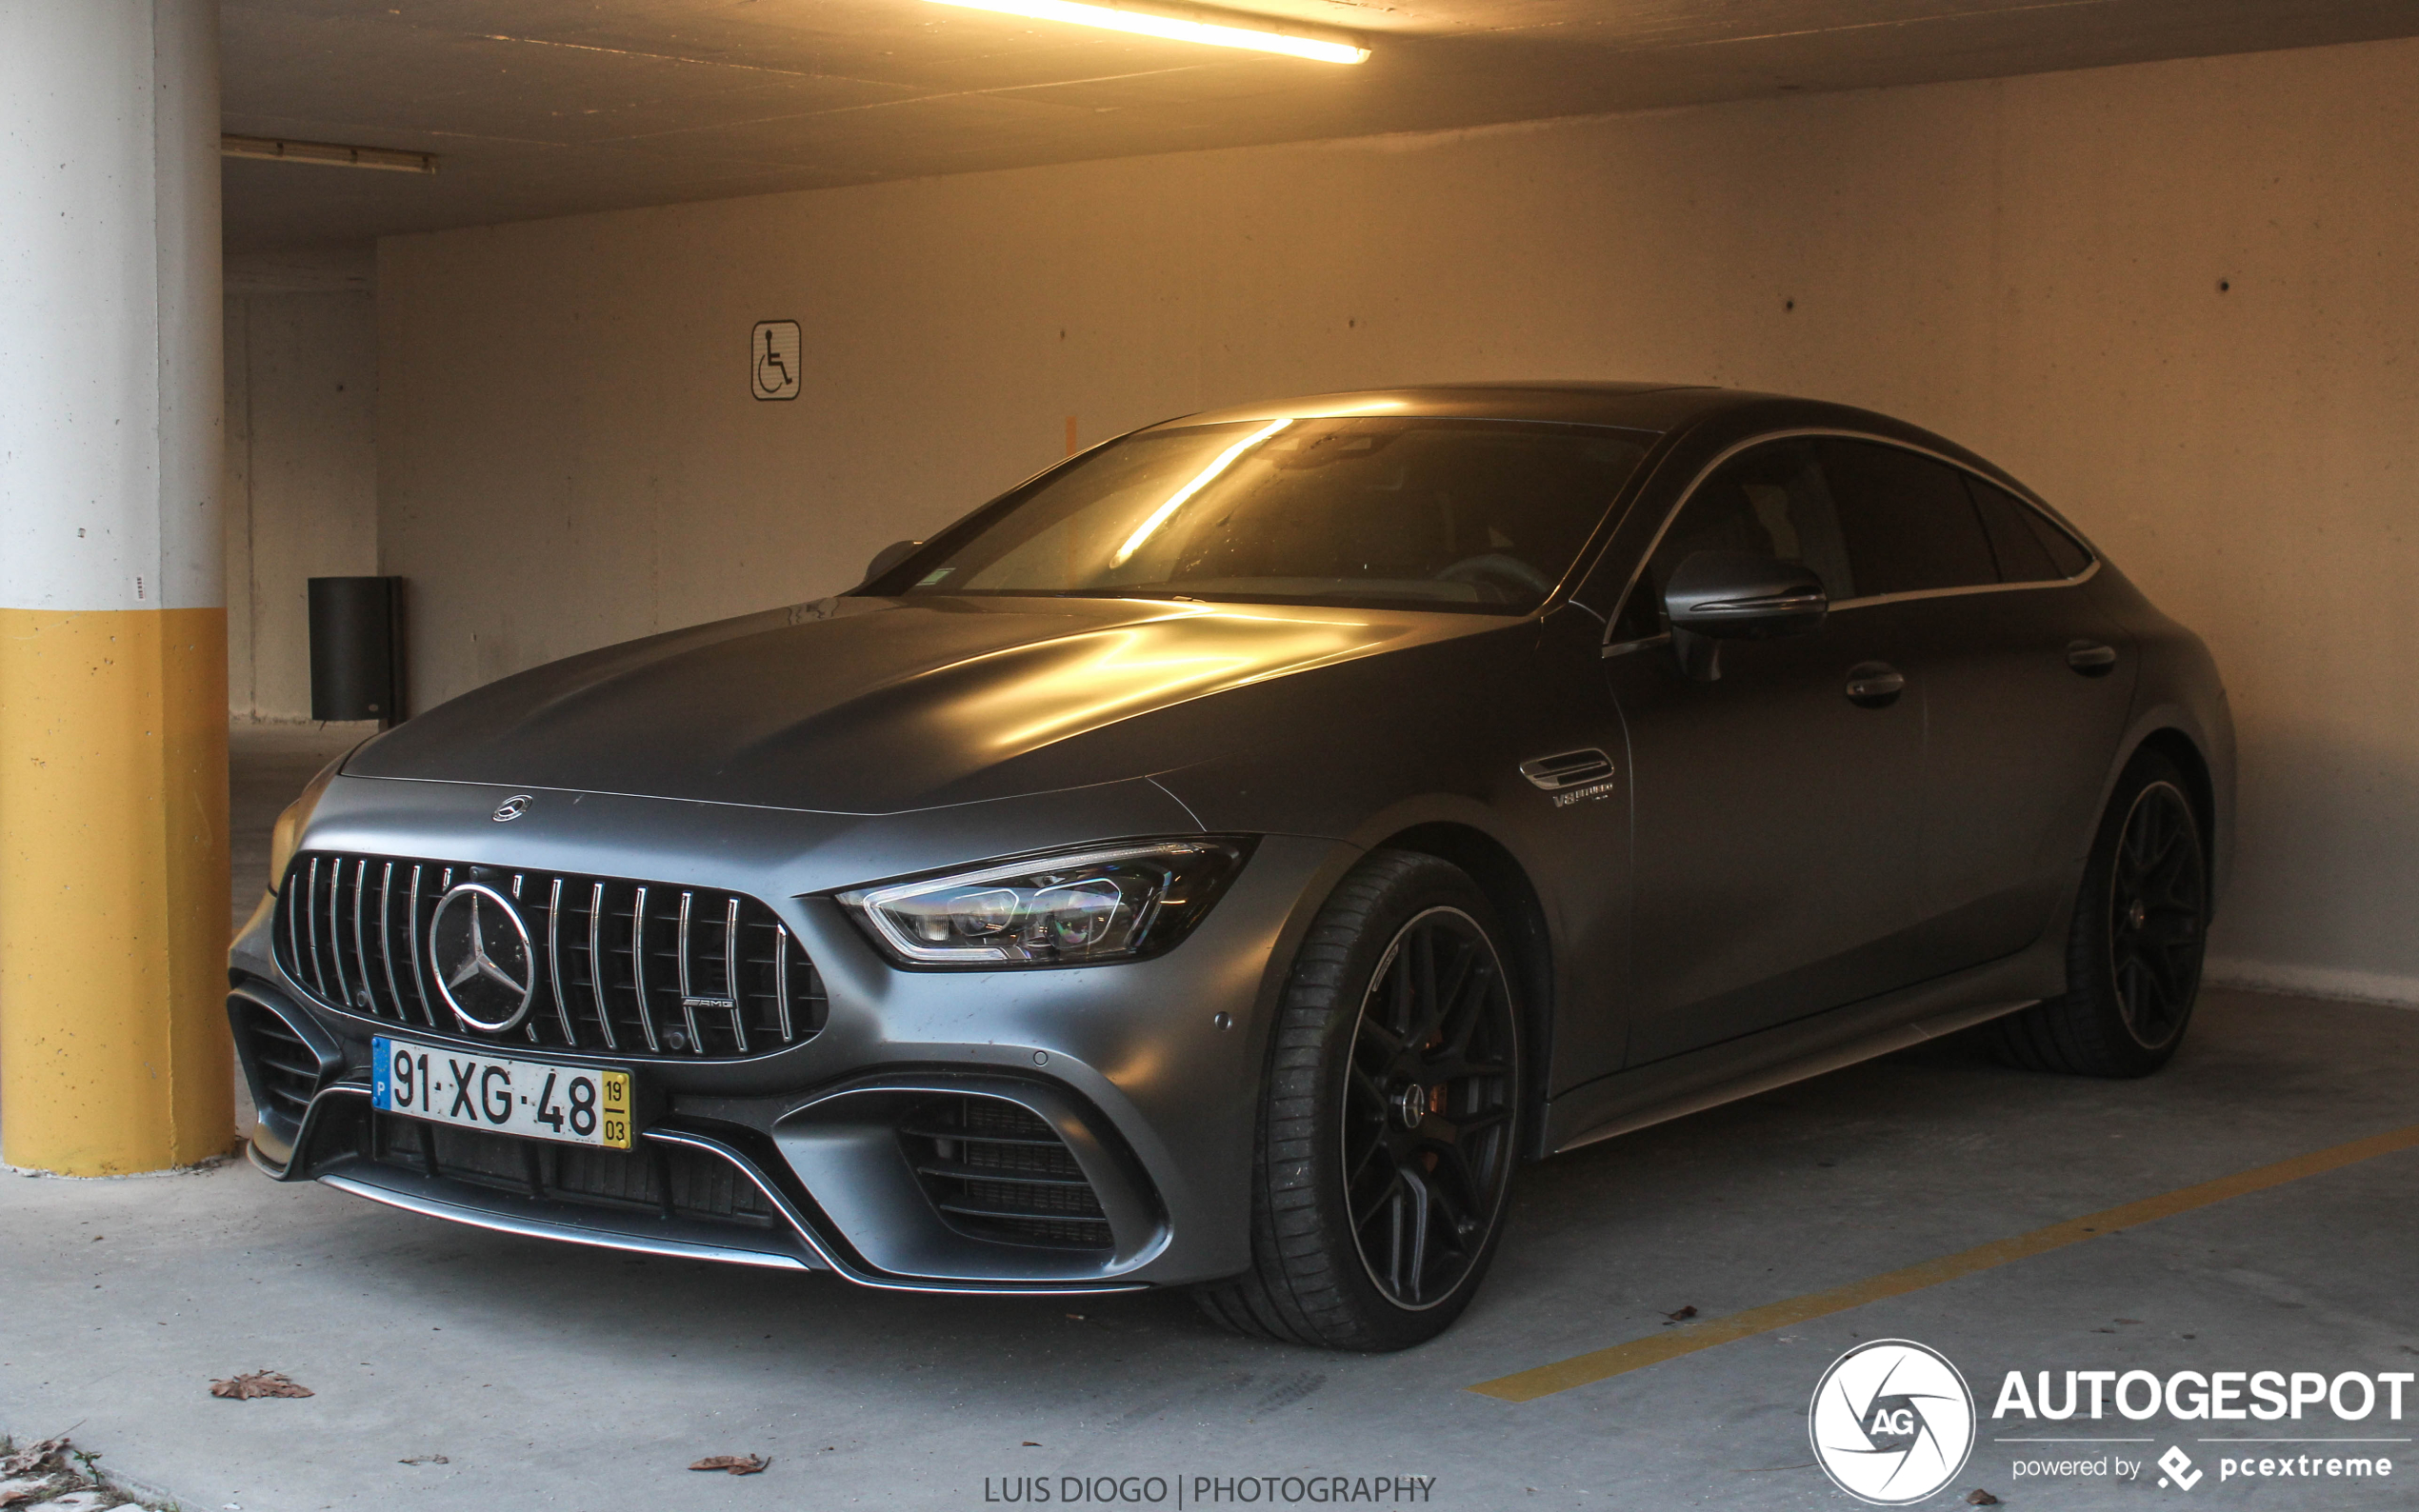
x=285, y=1071
x=666, y=1183
x=995, y=1170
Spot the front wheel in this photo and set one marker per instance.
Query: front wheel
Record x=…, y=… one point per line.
x=2133, y=956
x=1390, y=1117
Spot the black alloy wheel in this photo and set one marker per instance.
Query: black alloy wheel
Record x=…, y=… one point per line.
x=1389, y=1118
x=2134, y=950
x=2157, y=898
x=1427, y=1109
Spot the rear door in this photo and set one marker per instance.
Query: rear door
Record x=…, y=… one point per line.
x=1774, y=818
x=2027, y=690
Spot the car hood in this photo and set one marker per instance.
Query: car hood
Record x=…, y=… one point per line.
x=874, y=705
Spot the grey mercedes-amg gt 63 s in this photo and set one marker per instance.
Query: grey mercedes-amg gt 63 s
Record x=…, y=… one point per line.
x=1220, y=860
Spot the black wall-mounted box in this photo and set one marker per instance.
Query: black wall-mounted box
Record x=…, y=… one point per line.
x=356, y=648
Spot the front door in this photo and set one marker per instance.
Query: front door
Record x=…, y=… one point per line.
x=1775, y=809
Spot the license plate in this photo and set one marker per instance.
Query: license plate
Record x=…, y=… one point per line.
x=575, y=1105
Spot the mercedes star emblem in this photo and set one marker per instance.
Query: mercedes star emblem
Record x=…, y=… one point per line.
x=486, y=970
x=512, y=808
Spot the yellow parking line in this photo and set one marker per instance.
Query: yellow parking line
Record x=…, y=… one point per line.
x=1687, y=1339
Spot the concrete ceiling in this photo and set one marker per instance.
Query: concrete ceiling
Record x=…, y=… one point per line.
x=553, y=106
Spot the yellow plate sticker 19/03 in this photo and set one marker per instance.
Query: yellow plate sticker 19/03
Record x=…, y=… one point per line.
x=614, y=1109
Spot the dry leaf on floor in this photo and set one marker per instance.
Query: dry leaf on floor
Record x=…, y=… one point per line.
x=1684, y=1313
x=257, y=1384
x=1978, y=1496
x=735, y=1463
x=424, y=1459
x=34, y=1458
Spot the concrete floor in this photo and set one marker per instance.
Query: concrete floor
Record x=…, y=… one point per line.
x=554, y=1375
x=548, y=1375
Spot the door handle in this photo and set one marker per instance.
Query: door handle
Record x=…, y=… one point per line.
x=1874, y=684
x=2091, y=658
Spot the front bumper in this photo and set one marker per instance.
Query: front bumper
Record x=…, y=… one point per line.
x=1147, y=1072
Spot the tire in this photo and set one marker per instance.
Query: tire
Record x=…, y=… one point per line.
x=2134, y=951
x=1380, y=1102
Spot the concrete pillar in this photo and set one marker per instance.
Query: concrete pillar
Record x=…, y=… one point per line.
x=113, y=885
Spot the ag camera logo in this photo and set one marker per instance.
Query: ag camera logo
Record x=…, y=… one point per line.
x=1892, y=1422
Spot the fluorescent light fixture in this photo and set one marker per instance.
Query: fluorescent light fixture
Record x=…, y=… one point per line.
x=328, y=154
x=1218, y=29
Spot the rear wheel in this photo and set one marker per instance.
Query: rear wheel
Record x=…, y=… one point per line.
x=1389, y=1119
x=2133, y=955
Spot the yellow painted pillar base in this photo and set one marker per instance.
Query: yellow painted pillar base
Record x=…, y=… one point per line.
x=114, y=889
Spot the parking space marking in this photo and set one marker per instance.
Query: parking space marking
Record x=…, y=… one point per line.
x=1687, y=1339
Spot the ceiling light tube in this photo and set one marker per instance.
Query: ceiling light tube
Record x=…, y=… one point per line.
x=1217, y=28
x=328, y=154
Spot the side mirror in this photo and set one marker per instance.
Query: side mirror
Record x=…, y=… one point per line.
x=1717, y=596
x=891, y=556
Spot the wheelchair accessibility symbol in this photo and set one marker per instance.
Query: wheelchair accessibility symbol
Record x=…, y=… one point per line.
x=773, y=354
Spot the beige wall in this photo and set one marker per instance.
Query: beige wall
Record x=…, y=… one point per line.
x=568, y=455
x=302, y=477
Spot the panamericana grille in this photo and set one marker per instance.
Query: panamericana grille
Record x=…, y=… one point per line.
x=672, y=1181
x=995, y=1170
x=631, y=969
x=287, y=1068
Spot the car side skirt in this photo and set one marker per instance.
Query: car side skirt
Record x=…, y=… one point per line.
x=1691, y=1082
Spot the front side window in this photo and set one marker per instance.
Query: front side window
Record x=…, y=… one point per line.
x=1479, y=516
x=1771, y=500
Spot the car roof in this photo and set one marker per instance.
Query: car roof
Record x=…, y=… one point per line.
x=1637, y=405
x=1664, y=409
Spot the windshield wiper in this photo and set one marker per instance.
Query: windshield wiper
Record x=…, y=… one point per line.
x=1126, y=593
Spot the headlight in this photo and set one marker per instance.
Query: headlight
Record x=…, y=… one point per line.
x=287, y=834
x=1111, y=903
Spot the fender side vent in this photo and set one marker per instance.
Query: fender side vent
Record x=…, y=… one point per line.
x=1570, y=769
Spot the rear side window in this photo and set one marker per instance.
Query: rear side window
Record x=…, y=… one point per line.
x=1907, y=522
x=2022, y=557
x=2031, y=548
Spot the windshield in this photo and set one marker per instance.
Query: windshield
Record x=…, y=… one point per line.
x=1475, y=515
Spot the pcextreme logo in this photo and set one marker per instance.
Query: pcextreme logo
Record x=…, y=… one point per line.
x=1892, y=1422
